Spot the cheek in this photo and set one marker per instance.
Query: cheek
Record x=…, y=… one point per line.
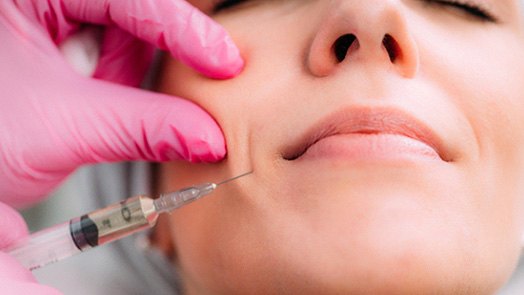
x=485, y=80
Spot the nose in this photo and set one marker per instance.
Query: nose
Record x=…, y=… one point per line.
x=371, y=32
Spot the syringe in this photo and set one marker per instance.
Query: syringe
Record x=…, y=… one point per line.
x=103, y=226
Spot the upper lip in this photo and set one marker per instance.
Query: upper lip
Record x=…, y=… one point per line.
x=366, y=120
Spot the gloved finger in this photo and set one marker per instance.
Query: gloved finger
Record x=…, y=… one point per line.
x=12, y=226
x=174, y=25
x=123, y=58
x=108, y=123
x=133, y=124
x=16, y=280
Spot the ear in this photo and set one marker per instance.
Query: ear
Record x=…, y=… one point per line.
x=161, y=237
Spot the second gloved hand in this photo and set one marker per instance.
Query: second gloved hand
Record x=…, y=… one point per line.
x=14, y=279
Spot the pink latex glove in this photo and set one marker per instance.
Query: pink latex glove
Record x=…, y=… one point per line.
x=14, y=279
x=52, y=120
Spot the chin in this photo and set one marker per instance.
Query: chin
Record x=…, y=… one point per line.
x=402, y=235
x=408, y=255
x=317, y=265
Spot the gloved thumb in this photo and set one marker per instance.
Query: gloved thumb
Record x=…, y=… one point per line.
x=14, y=278
x=12, y=226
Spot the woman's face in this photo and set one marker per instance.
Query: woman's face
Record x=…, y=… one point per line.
x=385, y=139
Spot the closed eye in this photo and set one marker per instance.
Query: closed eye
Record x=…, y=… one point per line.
x=467, y=6
x=226, y=4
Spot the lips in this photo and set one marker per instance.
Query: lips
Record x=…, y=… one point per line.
x=392, y=129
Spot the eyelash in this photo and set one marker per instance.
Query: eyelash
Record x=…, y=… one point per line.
x=225, y=4
x=465, y=5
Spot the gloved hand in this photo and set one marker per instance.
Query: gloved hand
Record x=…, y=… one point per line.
x=14, y=279
x=52, y=120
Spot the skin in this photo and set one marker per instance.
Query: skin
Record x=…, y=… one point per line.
x=333, y=225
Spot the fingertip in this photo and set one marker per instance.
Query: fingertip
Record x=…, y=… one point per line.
x=186, y=32
x=11, y=269
x=182, y=130
x=12, y=226
x=208, y=148
x=211, y=52
x=228, y=63
x=198, y=152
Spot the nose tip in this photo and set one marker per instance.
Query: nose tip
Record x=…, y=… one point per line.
x=364, y=33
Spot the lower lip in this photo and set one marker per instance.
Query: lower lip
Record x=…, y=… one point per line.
x=366, y=147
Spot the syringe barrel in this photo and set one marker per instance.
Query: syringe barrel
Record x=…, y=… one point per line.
x=45, y=247
x=79, y=234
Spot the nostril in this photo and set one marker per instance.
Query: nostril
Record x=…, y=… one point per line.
x=342, y=45
x=392, y=47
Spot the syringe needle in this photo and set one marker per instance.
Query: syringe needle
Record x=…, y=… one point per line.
x=234, y=178
x=173, y=200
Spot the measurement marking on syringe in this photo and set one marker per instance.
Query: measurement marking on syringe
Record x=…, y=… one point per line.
x=126, y=213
